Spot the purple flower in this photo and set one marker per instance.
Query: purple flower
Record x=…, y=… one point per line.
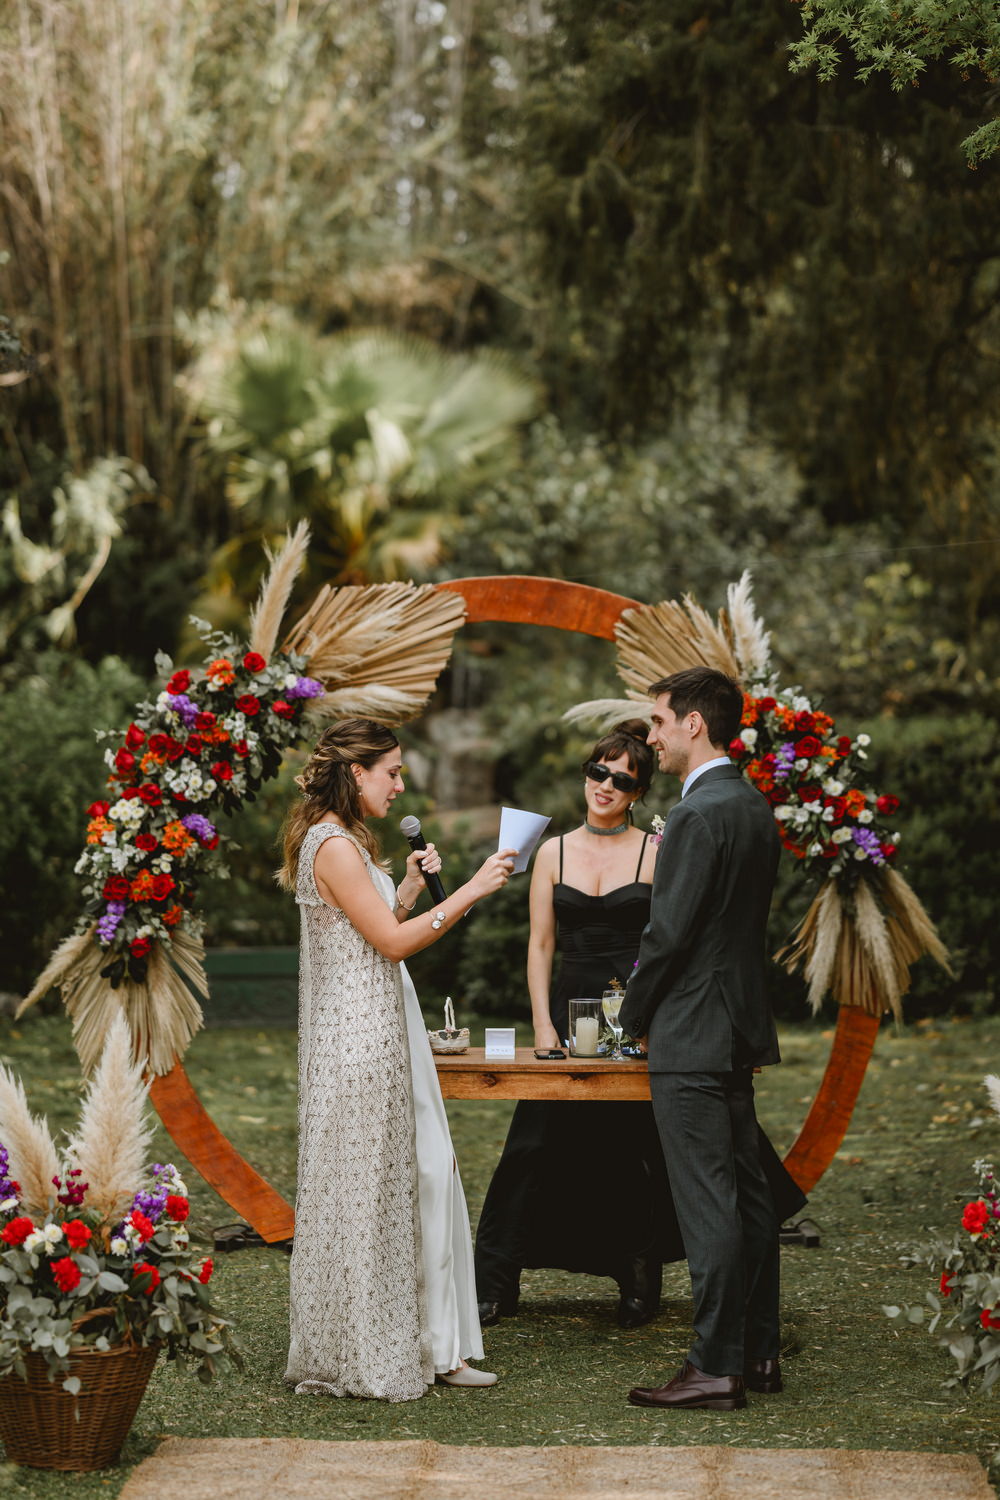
x=305, y=687
x=182, y=706
x=7, y=1189
x=784, y=759
x=869, y=842
x=199, y=826
x=107, y=925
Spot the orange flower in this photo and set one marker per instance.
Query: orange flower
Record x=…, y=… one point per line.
x=142, y=885
x=220, y=671
x=172, y=915
x=856, y=801
x=151, y=760
x=176, y=838
x=96, y=827
x=749, y=710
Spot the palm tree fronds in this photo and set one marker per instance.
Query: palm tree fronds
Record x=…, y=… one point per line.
x=916, y=932
x=378, y=649
x=658, y=639
x=112, y=1139
x=265, y=619
x=751, y=642
x=64, y=960
x=605, y=713
x=34, y=1160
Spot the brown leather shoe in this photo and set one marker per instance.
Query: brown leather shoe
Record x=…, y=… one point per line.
x=692, y=1389
x=763, y=1375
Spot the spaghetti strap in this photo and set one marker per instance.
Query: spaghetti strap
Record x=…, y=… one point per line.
x=642, y=855
x=560, y=858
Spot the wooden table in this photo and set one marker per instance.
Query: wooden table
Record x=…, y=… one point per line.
x=470, y=1076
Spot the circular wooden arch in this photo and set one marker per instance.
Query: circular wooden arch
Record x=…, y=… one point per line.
x=590, y=611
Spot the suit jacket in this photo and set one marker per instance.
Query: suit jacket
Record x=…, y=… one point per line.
x=699, y=989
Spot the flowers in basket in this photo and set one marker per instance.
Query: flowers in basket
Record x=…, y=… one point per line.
x=812, y=778
x=201, y=748
x=964, y=1310
x=94, y=1251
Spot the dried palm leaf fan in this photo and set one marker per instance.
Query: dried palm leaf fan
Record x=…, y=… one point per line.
x=377, y=651
x=866, y=927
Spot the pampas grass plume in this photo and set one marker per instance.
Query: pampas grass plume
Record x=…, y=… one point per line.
x=34, y=1160
x=112, y=1141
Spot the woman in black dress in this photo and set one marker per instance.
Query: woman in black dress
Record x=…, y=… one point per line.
x=581, y=1186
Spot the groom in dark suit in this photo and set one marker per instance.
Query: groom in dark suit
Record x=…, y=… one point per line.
x=698, y=993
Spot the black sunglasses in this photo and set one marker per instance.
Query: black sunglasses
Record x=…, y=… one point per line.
x=621, y=782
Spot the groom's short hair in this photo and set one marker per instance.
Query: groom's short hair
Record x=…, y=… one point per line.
x=706, y=690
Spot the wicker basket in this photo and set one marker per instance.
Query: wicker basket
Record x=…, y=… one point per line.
x=451, y=1038
x=45, y=1427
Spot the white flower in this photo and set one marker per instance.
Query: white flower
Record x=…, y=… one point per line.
x=801, y=705
x=783, y=812
x=35, y=1241
x=82, y=863
x=865, y=816
x=749, y=737
x=119, y=1246
x=832, y=786
x=840, y=835
x=162, y=863
x=860, y=853
x=827, y=815
x=53, y=1233
x=119, y=860
x=289, y=679
x=815, y=849
x=894, y=838
x=800, y=816
x=864, y=739
x=801, y=765
x=862, y=754
x=7, y=1204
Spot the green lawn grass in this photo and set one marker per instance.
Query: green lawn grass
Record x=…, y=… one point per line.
x=853, y=1378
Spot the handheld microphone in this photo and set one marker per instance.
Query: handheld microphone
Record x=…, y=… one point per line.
x=409, y=827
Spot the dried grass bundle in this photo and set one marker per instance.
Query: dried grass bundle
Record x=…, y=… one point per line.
x=34, y=1160
x=112, y=1140
x=992, y=1083
x=65, y=961
x=889, y=974
x=267, y=613
x=655, y=640
x=378, y=650
x=605, y=713
x=751, y=642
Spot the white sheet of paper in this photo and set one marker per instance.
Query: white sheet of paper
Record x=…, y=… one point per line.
x=521, y=830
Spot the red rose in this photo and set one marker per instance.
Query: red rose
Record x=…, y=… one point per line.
x=212, y=843
x=150, y=794
x=887, y=803
x=987, y=1319
x=777, y=795
x=286, y=711
x=177, y=1207
x=807, y=747
x=146, y=842
x=143, y=1226
x=944, y=1286
x=77, y=1233
x=135, y=737
x=143, y=1268
x=179, y=683
x=844, y=744
x=65, y=1274
x=129, y=792
x=888, y=851
x=116, y=888
x=163, y=884
x=975, y=1217
x=766, y=705
x=207, y=1267
x=737, y=747
x=254, y=662
x=839, y=807
x=810, y=793
x=124, y=761
x=248, y=704
x=139, y=947
x=222, y=771
x=195, y=744
x=98, y=809
x=204, y=721
x=804, y=723
x=16, y=1232
x=160, y=744
x=242, y=749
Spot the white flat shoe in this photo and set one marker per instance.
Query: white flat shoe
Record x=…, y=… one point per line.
x=466, y=1376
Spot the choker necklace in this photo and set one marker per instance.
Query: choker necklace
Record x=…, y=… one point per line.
x=607, y=833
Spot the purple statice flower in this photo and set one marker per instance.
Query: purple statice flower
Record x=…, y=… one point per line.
x=305, y=687
x=784, y=759
x=153, y=1202
x=199, y=826
x=107, y=924
x=8, y=1187
x=869, y=842
x=180, y=704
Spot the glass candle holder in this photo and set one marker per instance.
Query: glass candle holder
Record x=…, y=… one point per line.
x=584, y=1027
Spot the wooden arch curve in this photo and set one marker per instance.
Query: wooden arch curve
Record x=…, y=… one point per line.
x=590, y=611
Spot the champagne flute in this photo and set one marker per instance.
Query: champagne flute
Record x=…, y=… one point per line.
x=611, y=1004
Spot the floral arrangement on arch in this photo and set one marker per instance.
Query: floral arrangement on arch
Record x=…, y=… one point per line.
x=95, y=1249
x=964, y=1309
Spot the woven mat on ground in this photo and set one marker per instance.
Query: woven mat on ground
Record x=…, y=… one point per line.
x=295, y=1469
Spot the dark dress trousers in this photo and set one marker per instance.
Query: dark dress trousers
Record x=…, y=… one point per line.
x=699, y=995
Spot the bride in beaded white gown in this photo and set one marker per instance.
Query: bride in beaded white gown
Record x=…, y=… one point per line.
x=383, y=1295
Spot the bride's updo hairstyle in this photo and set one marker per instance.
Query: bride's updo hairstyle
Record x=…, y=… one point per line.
x=628, y=738
x=328, y=786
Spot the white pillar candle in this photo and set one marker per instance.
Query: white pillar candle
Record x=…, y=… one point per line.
x=586, y=1036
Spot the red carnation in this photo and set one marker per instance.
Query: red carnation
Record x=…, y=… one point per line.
x=207, y=1267
x=807, y=747
x=116, y=888
x=195, y=744
x=286, y=711
x=242, y=749
x=887, y=803
x=139, y=947
x=146, y=842
x=254, y=662
x=65, y=1274
x=888, y=851
x=163, y=884
x=150, y=794
x=248, y=704
x=737, y=747
x=222, y=771
x=143, y=1226
x=143, y=1268
x=944, y=1286
x=124, y=761
x=177, y=1207
x=975, y=1217
x=16, y=1232
x=135, y=737
x=844, y=744
x=98, y=809
x=129, y=793
x=805, y=723
x=180, y=682
x=765, y=705
x=212, y=843
x=204, y=721
x=77, y=1233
